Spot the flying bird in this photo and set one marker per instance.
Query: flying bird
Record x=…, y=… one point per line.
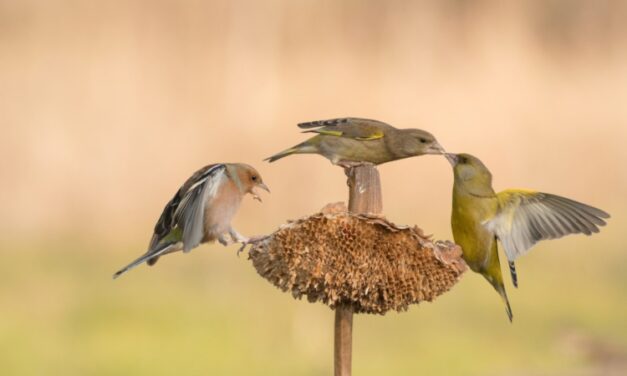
x=517, y=218
x=351, y=141
x=201, y=211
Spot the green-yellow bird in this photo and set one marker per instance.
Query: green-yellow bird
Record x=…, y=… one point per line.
x=517, y=218
x=349, y=141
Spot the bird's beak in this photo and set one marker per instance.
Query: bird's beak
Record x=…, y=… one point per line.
x=452, y=158
x=255, y=195
x=435, y=148
x=264, y=187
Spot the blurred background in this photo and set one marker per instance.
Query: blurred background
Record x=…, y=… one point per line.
x=106, y=107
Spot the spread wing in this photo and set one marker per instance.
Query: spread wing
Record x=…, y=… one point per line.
x=526, y=217
x=186, y=209
x=355, y=128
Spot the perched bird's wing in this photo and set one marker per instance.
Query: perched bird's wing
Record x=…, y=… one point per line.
x=526, y=217
x=359, y=129
x=186, y=209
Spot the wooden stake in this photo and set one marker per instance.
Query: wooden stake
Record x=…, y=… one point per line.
x=364, y=190
x=343, y=340
x=364, y=197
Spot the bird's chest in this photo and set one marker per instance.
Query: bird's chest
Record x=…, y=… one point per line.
x=469, y=232
x=221, y=209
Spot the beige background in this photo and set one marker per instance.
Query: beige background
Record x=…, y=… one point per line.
x=106, y=107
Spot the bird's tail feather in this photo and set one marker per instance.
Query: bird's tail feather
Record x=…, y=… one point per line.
x=155, y=253
x=303, y=148
x=512, y=271
x=501, y=290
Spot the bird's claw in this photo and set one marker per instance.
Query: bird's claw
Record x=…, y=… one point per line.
x=225, y=241
x=251, y=240
x=351, y=164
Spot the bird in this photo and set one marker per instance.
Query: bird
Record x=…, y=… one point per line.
x=517, y=218
x=353, y=141
x=201, y=211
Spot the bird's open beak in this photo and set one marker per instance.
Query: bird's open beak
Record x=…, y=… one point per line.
x=435, y=148
x=452, y=158
x=262, y=186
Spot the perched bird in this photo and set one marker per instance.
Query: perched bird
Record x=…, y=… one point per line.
x=517, y=218
x=201, y=211
x=350, y=141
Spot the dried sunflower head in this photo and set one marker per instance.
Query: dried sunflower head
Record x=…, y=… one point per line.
x=363, y=261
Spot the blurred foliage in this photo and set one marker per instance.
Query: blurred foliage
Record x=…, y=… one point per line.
x=208, y=312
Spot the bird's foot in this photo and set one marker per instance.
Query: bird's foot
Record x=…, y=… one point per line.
x=349, y=167
x=225, y=239
x=251, y=240
x=350, y=164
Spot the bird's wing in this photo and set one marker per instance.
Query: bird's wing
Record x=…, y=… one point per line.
x=359, y=129
x=526, y=217
x=186, y=209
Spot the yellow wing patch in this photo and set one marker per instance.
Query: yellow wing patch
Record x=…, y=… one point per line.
x=329, y=133
x=360, y=135
x=373, y=136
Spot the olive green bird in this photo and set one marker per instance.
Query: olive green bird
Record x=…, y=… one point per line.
x=350, y=141
x=517, y=218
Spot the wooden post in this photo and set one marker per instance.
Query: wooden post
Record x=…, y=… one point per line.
x=364, y=190
x=343, y=340
x=364, y=197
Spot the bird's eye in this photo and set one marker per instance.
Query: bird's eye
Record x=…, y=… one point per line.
x=254, y=178
x=423, y=140
x=462, y=160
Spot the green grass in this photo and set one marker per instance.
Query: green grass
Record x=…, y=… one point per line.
x=208, y=312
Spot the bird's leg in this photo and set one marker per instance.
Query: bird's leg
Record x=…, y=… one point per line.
x=349, y=166
x=226, y=239
x=251, y=240
x=239, y=238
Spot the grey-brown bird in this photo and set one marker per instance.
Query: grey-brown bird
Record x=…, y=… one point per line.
x=201, y=211
x=349, y=141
